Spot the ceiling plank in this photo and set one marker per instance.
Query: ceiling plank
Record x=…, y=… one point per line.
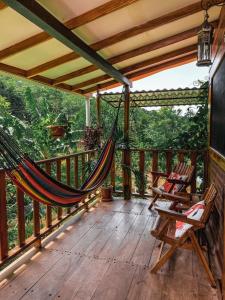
x=35, y=13
x=121, y=36
x=132, y=53
x=149, y=62
x=98, y=12
x=145, y=72
x=71, y=24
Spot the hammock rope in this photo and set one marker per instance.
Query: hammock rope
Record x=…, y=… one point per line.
x=35, y=182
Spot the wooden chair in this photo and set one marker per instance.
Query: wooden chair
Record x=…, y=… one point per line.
x=165, y=232
x=180, y=168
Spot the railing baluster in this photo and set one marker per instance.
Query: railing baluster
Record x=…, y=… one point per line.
x=113, y=174
x=48, y=207
x=206, y=175
x=155, y=158
x=127, y=174
x=36, y=217
x=194, y=163
x=68, y=166
x=180, y=156
x=142, y=171
x=58, y=176
x=3, y=218
x=169, y=156
x=76, y=183
x=82, y=166
x=20, y=217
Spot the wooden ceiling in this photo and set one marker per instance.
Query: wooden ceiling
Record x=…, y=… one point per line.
x=82, y=46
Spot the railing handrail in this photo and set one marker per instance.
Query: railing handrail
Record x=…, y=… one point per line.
x=63, y=157
x=166, y=150
x=53, y=159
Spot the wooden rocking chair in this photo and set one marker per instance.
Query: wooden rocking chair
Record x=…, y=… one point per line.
x=181, y=169
x=166, y=227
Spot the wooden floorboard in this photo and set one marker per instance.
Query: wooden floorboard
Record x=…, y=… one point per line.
x=108, y=255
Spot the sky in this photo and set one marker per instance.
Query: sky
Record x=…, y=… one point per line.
x=179, y=77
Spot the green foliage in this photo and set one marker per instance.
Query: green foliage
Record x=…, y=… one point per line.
x=26, y=109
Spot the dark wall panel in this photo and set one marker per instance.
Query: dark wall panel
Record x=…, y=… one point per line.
x=218, y=110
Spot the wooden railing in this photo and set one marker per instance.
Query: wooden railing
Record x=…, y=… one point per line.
x=143, y=161
x=24, y=222
x=31, y=220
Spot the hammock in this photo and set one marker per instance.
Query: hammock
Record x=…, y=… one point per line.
x=35, y=182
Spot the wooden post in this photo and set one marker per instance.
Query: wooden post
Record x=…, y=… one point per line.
x=3, y=218
x=88, y=112
x=98, y=109
x=126, y=152
x=113, y=175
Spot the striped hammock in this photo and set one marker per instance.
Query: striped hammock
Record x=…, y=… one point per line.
x=35, y=182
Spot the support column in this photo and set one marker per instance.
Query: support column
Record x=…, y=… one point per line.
x=98, y=110
x=88, y=112
x=126, y=151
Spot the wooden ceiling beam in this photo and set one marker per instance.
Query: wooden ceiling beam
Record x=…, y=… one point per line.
x=71, y=24
x=121, y=36
x=132, y=53
x=145, y=72
x=149, y=62
x=35, y=13
x=40, y=79
x=2, y=5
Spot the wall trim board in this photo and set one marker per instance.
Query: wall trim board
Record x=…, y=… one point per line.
x=218, y=158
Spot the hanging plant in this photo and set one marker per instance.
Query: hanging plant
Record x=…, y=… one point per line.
x=92, y=138
x=59, y=126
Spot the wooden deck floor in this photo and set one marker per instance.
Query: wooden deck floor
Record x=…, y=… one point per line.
x=107, y=255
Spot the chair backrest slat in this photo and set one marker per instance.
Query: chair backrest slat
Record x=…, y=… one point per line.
x=209, y=199
x=183, y=169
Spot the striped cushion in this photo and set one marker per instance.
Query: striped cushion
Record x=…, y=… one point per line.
x=194, y=213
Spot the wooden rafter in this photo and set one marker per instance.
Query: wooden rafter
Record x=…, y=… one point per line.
x=150, y=25
x=41, y=79
x=145, y=72
x=71, y=24
x=133, y=53
x=146, y=63
x=2, y=5
x=42, y=18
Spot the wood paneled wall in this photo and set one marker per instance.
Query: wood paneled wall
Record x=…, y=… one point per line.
x=215, y=229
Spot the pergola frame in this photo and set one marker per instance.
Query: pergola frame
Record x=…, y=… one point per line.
x=173, y=97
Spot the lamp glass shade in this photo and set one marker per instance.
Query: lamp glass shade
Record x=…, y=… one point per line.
x=205, y=44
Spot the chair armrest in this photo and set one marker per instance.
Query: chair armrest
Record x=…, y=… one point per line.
x=173, y=215
x=162, y=174
x=177, y=198
x=177, y=181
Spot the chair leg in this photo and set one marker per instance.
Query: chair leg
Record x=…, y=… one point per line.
x=164, y=258
x=160, y=250
x=202, y=258
x=153, y=201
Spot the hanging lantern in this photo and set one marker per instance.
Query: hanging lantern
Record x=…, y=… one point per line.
x=205, y=39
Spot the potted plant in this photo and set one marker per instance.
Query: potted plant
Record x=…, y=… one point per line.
x=107, y=191
x=59, y=126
